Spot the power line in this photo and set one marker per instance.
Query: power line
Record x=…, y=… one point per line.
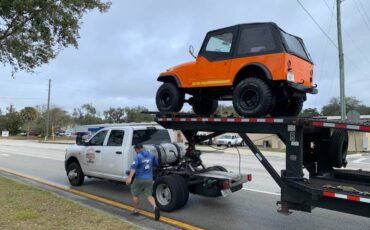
x=362, y=15
x=318, y=25
x=363, y=8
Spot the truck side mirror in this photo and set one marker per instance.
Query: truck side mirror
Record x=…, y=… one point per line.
x=191, y=51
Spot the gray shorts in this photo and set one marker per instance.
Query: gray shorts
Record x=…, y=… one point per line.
x=142, y=187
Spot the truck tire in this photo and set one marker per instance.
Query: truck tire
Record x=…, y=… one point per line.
x=204, y=106
x=217, y=168
x=338, y=148
x=75, y=175
x=184, y=189
x=169, y=98
x=290, y=108
x=168, y=193
x=252, y=98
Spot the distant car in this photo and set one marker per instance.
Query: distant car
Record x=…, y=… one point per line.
x=22, y=133
x=229, y=140
x=34, y=133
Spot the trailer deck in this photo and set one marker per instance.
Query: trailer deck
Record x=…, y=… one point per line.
x=307, y=142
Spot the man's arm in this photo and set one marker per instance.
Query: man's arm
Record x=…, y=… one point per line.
x=134, y=166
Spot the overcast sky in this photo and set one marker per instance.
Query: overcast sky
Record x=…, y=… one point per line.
x=121, y=52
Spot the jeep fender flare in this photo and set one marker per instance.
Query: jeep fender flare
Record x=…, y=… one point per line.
x=253, y=66
x=170, y=78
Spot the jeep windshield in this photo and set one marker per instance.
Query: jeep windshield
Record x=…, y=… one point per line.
x=295, y=46
x=151, y=136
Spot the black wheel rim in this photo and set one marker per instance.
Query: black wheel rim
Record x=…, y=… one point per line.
x=166, y=99
x=249, y=99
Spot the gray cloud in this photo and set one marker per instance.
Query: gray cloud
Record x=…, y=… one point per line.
x=122, y=52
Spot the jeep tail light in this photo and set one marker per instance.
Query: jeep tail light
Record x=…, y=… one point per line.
x=290, y=76
x=249, y=177
x=225, y=184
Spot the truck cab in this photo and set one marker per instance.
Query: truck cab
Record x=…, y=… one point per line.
x=258, y=66
x=108, y=154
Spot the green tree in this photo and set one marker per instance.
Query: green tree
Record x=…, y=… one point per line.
x=333, y=108
x=134, y=114
x=28, y=115
x=114, y=115
x=32, y=32
x=309, y=112
x=11, y=121
x=59, y=118
x=86, y=115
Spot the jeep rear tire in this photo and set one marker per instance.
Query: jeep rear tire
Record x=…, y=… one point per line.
x=290, y=108
x=75, y=175
x=204, y=106
x=169, y=98
x=252, y=98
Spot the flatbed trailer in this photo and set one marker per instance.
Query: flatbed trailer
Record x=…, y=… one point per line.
x=310, y=144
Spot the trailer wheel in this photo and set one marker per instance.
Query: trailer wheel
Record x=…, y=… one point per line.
x=204, y=106
x=252, y=97
x=169, y=98
x=338, y=148
x=168, y=193
x=75, y=175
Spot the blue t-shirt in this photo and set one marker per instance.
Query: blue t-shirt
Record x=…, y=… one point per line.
x=143, y=164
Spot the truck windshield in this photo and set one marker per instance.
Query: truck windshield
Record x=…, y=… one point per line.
x=150, y=136
x=295, y=46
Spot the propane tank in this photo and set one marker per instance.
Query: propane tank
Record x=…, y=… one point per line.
x=166, y=153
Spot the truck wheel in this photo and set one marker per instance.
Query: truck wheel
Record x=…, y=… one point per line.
x=252, y=97
x=291, y=107
x=185, y=190
x=217, y=168
x=168, y=193
x=204, y=106
x=169, y=98
x=338, y=148
x=75, y=175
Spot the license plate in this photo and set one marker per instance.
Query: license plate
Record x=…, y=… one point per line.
x=225, y=192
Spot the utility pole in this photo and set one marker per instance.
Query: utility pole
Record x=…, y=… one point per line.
x=341, y=64
x=48, y=114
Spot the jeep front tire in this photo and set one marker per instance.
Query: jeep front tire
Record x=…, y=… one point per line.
x=169, y=98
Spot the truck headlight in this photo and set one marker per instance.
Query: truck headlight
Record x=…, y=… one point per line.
x=290, y=76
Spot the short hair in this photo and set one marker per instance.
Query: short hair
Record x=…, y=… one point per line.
x=138, y=146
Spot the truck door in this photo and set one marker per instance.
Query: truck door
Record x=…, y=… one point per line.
x=213, y=63
x=112, y=157
x=93, y=152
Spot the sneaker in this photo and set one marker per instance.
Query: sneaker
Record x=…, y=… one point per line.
x=135, y=212
x=157, y=213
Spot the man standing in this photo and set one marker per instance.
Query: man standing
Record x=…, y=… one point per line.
x=143, y=184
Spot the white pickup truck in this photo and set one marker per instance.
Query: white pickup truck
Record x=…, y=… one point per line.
x=229, y=140
x=108, y=154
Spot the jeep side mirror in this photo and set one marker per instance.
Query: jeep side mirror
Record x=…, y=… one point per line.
x=191, y=51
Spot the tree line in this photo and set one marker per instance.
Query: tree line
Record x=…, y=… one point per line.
x=33, y=119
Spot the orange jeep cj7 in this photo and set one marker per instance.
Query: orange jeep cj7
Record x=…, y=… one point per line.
x=258, y=66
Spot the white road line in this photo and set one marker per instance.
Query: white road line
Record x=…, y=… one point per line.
x=358, y=160
x=260, y=191
x=60, y=158
x=4, y=155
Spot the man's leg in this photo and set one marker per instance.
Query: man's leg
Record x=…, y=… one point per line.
x=136, y=201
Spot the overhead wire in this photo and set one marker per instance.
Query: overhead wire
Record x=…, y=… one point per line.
x=362, y=15
x=318, y=25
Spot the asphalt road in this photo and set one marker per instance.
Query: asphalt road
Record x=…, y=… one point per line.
x=251, y=208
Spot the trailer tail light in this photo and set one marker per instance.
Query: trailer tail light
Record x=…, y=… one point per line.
x=226, y=184
x=249, y=177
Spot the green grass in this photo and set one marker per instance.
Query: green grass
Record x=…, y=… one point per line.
x=26, y=207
